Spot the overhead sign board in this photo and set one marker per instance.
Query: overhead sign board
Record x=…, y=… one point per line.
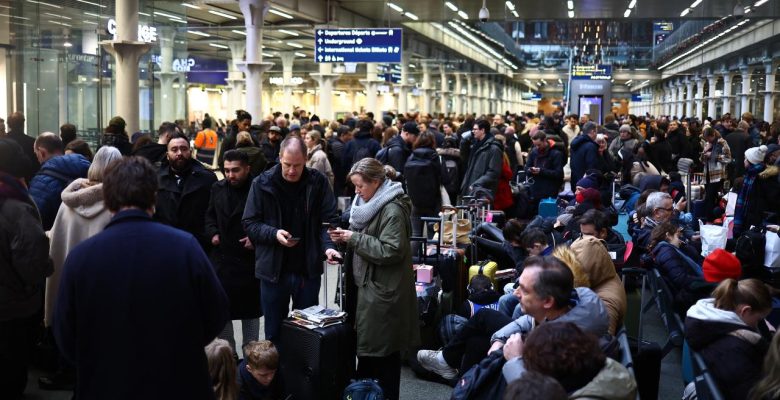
x=146, y=33
x=663, y=27
x=358, y=45
x=591, y=72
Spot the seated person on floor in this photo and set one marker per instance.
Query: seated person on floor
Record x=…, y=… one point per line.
x=594, y=223
x=535, y=244
x=546, y=292
x=679, y=264
x=481, y=295
x=258, y=377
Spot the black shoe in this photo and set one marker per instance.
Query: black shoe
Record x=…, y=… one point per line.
x=61, y=380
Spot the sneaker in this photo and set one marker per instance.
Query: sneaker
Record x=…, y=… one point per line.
x=429, y=359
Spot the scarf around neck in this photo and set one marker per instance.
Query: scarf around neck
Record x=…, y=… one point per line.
x=363, y=212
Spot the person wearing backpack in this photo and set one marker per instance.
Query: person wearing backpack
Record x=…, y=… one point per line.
x=362, y=144
x=424, y=173
x=399, y=148
x=485, y=161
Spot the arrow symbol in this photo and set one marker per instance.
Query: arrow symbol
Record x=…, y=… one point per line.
x=319, y=32
x=319, y=58
x=319, y=49
x=319, y=41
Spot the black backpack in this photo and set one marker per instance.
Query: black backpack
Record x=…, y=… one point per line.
x=383, y=155
x=361, y=153
x=420, y=174
x=749, y=247
x=452, y=173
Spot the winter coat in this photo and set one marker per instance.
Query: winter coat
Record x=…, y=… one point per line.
x=317, y=159
x=620, y=144
x=185, y=208
x=597, y=264
x=738, y=142
x=263, y=216
x=734, y=352
x=397, y=153
x=503, y=199
x=154, y=152
x=423, y=179
x=584, y=155
x=27, y=144
x=715, y=165
x=613, y=382
x=571, y=133
x=257, y=160
x=47, y=185
x=146, y=286
x=687, y=285
x=386, y=316
x=763, y=197
x=484, y=166
x=118, y=140
x=359, y=140
x=270, y=151
x=660, y=154
x=547, y=183
x=24, y=259
x=679, y=144
x=81, y=216
x=250, y=389
x=234, y=264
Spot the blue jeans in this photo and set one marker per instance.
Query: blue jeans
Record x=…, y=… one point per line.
x=275, y=299
x=509, y=305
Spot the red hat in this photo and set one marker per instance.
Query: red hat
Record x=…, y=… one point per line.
x=721, y=265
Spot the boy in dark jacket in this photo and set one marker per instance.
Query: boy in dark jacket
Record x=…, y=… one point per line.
x=258, y=377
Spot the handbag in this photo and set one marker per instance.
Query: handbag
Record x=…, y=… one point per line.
x=456, y=230
x=712, y=237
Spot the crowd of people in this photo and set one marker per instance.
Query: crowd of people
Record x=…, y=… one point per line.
x=138, y=252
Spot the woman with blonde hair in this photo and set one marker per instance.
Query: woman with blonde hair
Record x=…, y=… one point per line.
x=768, y=388
x=316, y=156
x=222, y=369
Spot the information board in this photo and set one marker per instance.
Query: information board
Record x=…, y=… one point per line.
x=358, y=45
x=591, y=72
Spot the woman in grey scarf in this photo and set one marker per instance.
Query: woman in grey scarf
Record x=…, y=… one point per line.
x=380, y=284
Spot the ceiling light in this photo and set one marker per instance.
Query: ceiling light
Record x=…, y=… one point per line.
x=67, y=44
x=414, y=66
x=190, y=6
x=570, y=5
x=760, y=3
x=451, y=6
x=59, y=23
x=55, y=15
x=279, y=13
x=395, y=7
x=43, y=4
x=239, y=32
x=510, y=6
x=514, y=12
x=559, y=81
x=632, y=4
x=627, y=13
x=463, y=14
x=199, y=33
x=629, y=81
x=291, y=33
x=144, y=14
x=162, y=14
x=267, y=55
x=748, y=9
x=571, y=13
x=300, y=54
x=696, y=3
x=296, y=45
x=219, y=46
x=411, y=16
x=685, y=12
x=221, y=14
x=91, y=3
x=90, y=22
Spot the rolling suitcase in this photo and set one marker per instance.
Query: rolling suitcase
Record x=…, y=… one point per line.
x=317, y=363
x=548, y=208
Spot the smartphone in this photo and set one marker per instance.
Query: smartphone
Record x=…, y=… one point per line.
x=294, y=239
x=330, y=225
x=338, y=260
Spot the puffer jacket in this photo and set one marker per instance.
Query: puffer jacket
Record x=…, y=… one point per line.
x=24, y=253
x=613, y=382
x=484, y=166
x=687, y=285
x=595, y=260
x=733, y=351
x=47, y=185
x=584, y=155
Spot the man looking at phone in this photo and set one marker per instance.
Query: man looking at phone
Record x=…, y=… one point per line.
x=283, y=218
x=545, y=169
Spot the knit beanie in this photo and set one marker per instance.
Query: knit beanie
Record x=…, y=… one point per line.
x=587, y=182
x=721, y=265
x=755, y=155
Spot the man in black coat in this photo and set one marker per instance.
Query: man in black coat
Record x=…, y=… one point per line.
x=738, y=141
x=399, y=147
x=545, y=168
x=138, y=301
x=233, y=253
x=16, y=133
x=184, y=191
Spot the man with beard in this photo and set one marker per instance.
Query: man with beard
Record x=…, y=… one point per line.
x=270, y=145
x=233, y=254
x=184, y=190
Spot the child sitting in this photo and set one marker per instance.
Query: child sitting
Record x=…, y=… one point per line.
x=481, y=295
x=257, y=374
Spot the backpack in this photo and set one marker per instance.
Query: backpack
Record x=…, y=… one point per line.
x=363, y=389
x=361, y=153
x=750, y=247
x=420, y=175
x=452, y=172
x=383, y=155
x=483, y=381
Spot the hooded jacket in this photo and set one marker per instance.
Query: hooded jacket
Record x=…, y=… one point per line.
x=763, y=197
x=686, y=284
x=359, y=140
x=547, y=183
x=81, y=216
x=595, y=260
x=584, y=155
x=398, y=151
x=613, y=382
x=47, y=185
x=733, y=351
x=484, y=166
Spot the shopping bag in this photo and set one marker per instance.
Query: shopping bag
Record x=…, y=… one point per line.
x=731, y=203
x=772, y=250
x=712, y=237
x=454, y=227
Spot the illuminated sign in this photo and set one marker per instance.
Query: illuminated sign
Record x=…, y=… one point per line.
x=178, y=65
x=279, y=81
x=146, y=33
x=358, y=45
x=592, y=72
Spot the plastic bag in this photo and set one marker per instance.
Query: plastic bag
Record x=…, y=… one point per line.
x=712, y=237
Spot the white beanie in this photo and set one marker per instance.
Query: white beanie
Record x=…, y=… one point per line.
x=755, y=155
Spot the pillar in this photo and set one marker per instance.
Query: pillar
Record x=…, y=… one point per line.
x=744, y=96
x=689, y=98
x=235, y=79
x=426, y=91
x=325, y=79
x=769, y=94
x=371, y=83
x=181, y=98
x=471, y=104
x=254, y=67
x=712, y=81
x=288, y=57
x=166, y=36
x=404, y=86
x=726, y=92
x=457, y=97
x=699, y=99
x=445, y=89
x=127, y=51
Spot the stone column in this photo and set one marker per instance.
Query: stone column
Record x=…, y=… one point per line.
x=425, y=90
x=744, y=96
x=404, y=86
x=288, y=57
x=471, y=103
x=457, y=97
x=689, y=98
x=166, y=36
x=669, y=100
x=235, y=77
x=181, y=97
x=485, y=94
x=680, y=99
x=445, y=89
x=699, y=99
x=254, y=67
x=325, y=79
x=726, y=92
x=769, y=94
x=712, y=81
x=127, y=51
x=371, y=83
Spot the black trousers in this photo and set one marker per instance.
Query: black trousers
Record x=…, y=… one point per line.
x=472, y=343
x=711, y=198
x=17, y=338
x=387, y=370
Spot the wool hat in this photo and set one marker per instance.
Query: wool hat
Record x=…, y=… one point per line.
x=314, y=117
x=587, y=182
x=625, y=128
x=275, y=128
x=756, y=155
x=411, y=127
x=13, y=161
x=118, y=122
x=721, y=265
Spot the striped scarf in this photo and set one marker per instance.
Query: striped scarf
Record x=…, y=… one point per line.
x=743, y=200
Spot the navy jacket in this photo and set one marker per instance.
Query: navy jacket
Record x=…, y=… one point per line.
x=584, y=156
x=398, y=151
x=547, y=183
x=136, y=305
x=360, y=140
x=47, y=185
x=262, y=218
